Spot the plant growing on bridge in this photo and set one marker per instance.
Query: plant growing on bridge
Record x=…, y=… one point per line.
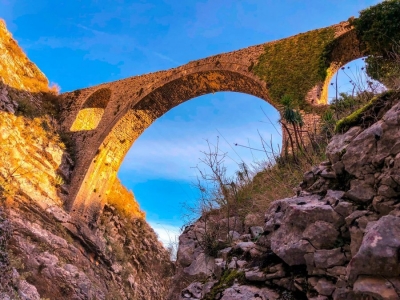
x=293, y=66
x=378, y=28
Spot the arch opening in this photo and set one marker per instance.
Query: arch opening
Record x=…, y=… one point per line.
x=100, y=167
x=89, y=116
x=159, y=165
x=353, y=80
x=131, y=112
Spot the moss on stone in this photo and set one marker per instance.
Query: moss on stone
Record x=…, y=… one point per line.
x=293, y=66
x=357, y=116
x=227, y=280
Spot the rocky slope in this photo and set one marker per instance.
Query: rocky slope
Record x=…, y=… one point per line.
x=339, y=238
x=16, y=70
x=43, y=254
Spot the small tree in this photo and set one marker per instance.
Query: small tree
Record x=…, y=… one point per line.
x=294, y=118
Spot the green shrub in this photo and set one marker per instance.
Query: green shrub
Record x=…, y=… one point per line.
x=227, y=280
x=369, y=110
x=378, y=29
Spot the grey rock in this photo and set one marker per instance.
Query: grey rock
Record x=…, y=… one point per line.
x=245, y=237
x=256, y=231
x=207, y=287
x=355, y=215
x=116, y=268
x=328, y=173
x=387, y=191
x=379, y=246
x=241, y=263
x=344, y=208
x=360, y=192
x=193, y=291
x=244, y=292
x=233, y=235
x=329, y=258
x=276, y=271
x=245, y=246
x=321, y=235
x=255, y=275
x=336, y=271
x=338, y=168
x=383, y=205
x=333, y=196
x=232, y=264
x=356, y=162
x=27, y=291
x=287, y=219
x=339, y=143
x=224, y=253
x=286, y=283
x=379, y=288
x=220, y=266
x=203, y=265
x=324, y=287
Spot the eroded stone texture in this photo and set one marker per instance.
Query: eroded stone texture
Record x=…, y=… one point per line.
x=378, y=254
x=17, y=70
x=238, y=292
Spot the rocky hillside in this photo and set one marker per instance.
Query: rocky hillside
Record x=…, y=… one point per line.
x=16, y=70
x=339, y=238
x=43, y=254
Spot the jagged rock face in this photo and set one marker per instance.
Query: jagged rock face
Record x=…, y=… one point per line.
x=47, y=255
x=16, y=70
x=339, y=238
x=47, y=261
x=33, y=161
x=43, y=253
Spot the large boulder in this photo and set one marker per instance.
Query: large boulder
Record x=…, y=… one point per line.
x=290, y=222
x=379, y=251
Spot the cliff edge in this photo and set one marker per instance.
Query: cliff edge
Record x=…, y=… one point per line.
x=16, y=70
x=43, y=253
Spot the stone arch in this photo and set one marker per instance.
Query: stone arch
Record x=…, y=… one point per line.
x=90, y=114
x=344, y=49
x=101, y=170
x=137, y=101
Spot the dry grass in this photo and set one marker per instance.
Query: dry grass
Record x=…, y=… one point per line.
x=279, y=180
x=21, y=73
x=124, y=201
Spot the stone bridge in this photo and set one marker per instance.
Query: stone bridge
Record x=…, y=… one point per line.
x=105, y=120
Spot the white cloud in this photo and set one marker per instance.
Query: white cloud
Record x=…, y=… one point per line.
x=175, y=157
x=168, y=235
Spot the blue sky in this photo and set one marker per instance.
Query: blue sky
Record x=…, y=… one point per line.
x=82, y=43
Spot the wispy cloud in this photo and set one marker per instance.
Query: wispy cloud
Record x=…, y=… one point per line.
x=167, y=234
x=175, y=158
x=164, y=57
